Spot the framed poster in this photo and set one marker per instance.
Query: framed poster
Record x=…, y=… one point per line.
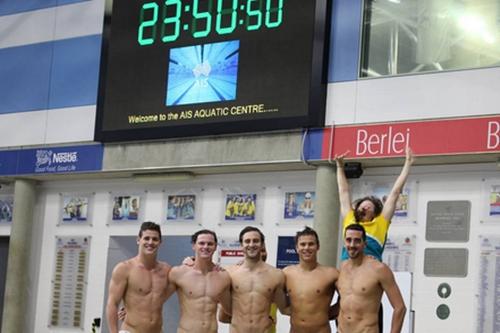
x=181, y=208
x=490, y=201
x=126, y=208
x=401, y=210
x=6, y=208
x=406, y=203
x=75, y=208
x=494, y=209
x=240, y=207
x=299, y=205
x=287, y=254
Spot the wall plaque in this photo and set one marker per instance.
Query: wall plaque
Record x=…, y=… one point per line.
x=448, y=221
x=446, y=262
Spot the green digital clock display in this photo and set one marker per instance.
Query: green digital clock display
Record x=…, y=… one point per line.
x=164, y=23
x=177, y=68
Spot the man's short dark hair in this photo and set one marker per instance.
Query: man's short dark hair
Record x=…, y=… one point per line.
x=377, y=203
x=307, y=231
x=148, y=225
x=250, y=229
x=194, y=237
x=358, y=227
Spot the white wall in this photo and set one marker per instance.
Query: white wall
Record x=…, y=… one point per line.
x=438, y=183
x=413, y=97
x=210, y=204
x=50, y=125
x=463, y=182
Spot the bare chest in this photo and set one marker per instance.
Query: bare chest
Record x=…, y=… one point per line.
x=146, y=282
x=194, y=285
x=256, y=282
x=308, y=285
x=361, y=283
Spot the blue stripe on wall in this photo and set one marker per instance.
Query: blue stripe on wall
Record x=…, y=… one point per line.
x=9, y=7
x=67, y=2
x=345, y=40
x=8, y=162
x=313, y=145
x=57, y=74
x=24, y=77
x=75, y=72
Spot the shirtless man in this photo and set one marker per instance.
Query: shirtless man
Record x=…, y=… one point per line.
x=255, y=285
x=361, y=283
x=141, y=282
x=200, y=287
x=310, y=286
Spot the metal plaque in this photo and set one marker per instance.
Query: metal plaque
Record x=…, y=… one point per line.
x=443, y=311
x=444, y=290
x=446, y=262
x=448, y=221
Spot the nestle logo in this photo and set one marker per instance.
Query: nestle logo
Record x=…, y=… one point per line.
x=43, y=157
x=66, y=157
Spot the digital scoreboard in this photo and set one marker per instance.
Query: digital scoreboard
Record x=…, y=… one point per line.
x=179, y=68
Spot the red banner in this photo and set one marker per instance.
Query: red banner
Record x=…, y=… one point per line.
x=434, y=137
x=231, y=253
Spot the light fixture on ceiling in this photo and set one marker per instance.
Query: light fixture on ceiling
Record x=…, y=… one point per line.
x=163, y=177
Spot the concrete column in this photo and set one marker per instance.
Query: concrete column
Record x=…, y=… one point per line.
x=17, y=281
x=326, y=214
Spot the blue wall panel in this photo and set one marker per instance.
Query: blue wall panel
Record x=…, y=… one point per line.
x=345, y=40
x=67, y=2
x=57, y=74
x=9, y=7
x=24, y=77
x=75, y=72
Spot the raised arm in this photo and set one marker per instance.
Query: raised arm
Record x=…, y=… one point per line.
x=394, y=295
x=117, y=287
x=392, y=198
x=343, y=184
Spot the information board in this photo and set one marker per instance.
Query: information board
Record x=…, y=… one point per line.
x=399, y=253
x=488, y=307
x=69, y=282
x=179, y=68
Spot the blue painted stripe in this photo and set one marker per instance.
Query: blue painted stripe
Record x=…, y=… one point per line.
x=75, y=72
x=313, y=144
x=9, y=7
x=24, y=77
x=56, y=74
x=345, y=40
x=8, y=162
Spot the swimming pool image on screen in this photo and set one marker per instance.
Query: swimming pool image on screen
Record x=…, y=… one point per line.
x=203, y=73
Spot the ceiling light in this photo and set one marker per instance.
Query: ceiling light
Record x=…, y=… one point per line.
x=162, y=177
